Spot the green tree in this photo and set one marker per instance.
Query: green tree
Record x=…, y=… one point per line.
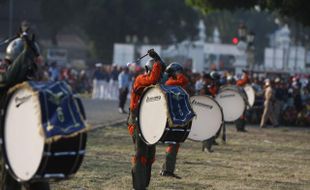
x=59, y=14
x=161, y=21
x=298, y=10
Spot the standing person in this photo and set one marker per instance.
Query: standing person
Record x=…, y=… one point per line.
x=114, y=73
x=97, y=78
x=280, y=94
x=240, y=123
x=123, y=84
x=21, y=55
x=175, y=78
x=210, y=88
x=199, y=84
x=54, y=73
x=268, y=106
x=144, y=154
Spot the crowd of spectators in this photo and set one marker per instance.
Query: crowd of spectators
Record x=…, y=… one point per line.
x=291, y=96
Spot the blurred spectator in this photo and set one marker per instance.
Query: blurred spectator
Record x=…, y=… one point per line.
x=123, y=86
x=268, y=106
x=199, y=84
x=54, y=73
x=279, y=98
x=113, y=77
x=98, y=78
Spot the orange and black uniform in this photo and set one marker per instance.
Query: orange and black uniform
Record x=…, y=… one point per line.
x=240, y=123
x=144, y=154
x=172, y=149
x=242, y=82
x=210, y=90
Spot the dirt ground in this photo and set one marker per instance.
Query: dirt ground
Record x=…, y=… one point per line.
x=269, y=159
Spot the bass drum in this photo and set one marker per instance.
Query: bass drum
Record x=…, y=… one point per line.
x=27, y=155
x=250, y=93
x=208, y=120
x=154, y=115
x=232, y=103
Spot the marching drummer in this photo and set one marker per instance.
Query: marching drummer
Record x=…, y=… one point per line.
x=20, y=58
x=144, y=154
x=175, y=78
x=210, y=88
x=240, y=123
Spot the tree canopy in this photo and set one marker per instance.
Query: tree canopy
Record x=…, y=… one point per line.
x=160, y=21
x=298, y=10
x=108, y=21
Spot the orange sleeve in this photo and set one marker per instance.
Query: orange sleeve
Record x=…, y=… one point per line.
x=243, y=81
x=143, y=81
x=152, y=78
x=181, y=80
x=213, y=90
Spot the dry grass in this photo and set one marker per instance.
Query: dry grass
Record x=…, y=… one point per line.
x=275, y=159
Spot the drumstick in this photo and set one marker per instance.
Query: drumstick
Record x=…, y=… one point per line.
x=139, y=59
x=144, y=55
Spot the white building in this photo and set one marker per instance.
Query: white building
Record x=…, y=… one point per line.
x=203, y=56
x=282, y=55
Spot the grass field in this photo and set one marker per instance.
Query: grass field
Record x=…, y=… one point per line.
x=262, y=159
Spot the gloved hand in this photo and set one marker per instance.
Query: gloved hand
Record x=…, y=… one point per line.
x=30, y=43
x=153, y=55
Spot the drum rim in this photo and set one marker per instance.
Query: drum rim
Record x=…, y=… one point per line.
x=221, y=110
x=138, y=113
x=244, y=101
x=7, y=99
x=249, y=85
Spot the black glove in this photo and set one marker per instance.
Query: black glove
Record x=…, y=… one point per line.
x=153, y=55
x=31, y=43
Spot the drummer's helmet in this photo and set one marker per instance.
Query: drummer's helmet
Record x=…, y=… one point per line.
x=215, y=76
x=14, y=48
x=173, y=69
x=230, y=79
x=149, y=65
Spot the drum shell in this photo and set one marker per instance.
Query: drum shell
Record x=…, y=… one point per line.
x=225, y=108
x=209, y=129
x=250, y=94
x=173, y=135
x=60, y=159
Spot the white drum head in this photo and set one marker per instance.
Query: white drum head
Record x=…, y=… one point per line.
x=250, y=94
x=232, y=104
x=24, y=142
x=153, y=115
x=208, y=120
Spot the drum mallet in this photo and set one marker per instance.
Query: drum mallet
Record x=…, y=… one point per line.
x=139, y=59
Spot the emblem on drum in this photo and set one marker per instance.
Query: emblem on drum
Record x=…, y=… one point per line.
x=202, y=104
x=153, y=99
x=19, y=101
x=60, y=114
x=227, y=95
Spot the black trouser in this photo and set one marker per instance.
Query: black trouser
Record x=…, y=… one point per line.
x=240, y=123
x=122, y=97
x=171, y=158
x=142, y=163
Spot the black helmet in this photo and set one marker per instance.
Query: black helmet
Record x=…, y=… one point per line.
x=173, y=68
x=149, y=65
x=215, y=76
